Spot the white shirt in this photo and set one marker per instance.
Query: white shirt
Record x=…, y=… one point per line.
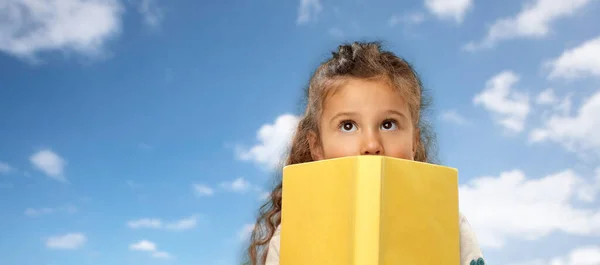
x=470, y=253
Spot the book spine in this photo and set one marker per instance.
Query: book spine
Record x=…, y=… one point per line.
x=367, y=211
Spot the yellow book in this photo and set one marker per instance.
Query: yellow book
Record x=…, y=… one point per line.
x=369, y=210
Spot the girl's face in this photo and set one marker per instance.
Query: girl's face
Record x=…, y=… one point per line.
x=364, y=117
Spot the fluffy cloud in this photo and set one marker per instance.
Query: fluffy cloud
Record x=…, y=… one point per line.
x=308, y=10
x=155, y=223
x=546, y=97
x=274, y=140
x=68, y=241
x=508, y=106
x=580, y=61
x=203, y=190
x=586, y=255
x=143, y=245
x=452, y=116
x=578, y=132
x=547, y=204
x=449, y=9
x=80, y=26
x=533, y=21
x=49, y=163
x=237, y=185
x=149, y=246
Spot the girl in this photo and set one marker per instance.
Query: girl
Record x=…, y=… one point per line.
x=362, y=101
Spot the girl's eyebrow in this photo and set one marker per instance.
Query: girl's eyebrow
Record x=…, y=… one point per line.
x=343, y=114
x=396, y=112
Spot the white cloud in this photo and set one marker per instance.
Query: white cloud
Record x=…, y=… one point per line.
x=580, y=61
x=308, y=10
x=585, y=255
x=161, y=255
x=533, y=21
x=452, y=116
x=529, y=208
x=37, y=212
x=274, y=140
x=149, y=246
x=155, y=223
x=546, y=97
x=143, y=245
x=68, y=241
x=31, y=212
x=145, y=223
x=49, y=163
x=81, y=26
x=508, y=106
x=183, y=224
x=203, y=190
x=578, y=132
x=5, y=168
x=151, y=13
x=237, y=185
x=449, y=9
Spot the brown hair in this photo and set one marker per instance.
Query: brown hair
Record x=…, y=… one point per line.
x=356, y=60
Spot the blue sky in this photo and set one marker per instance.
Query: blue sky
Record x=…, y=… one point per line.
x=146, y=131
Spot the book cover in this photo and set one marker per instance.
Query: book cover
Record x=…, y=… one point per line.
x=369, y=210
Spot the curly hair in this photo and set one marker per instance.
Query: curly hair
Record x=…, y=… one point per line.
x=363, y=60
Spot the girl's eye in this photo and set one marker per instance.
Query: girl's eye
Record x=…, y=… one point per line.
x=389, y=125
x=347, y=126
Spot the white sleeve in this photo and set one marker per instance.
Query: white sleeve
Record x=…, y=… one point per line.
x=273, y=250
x=470, y=252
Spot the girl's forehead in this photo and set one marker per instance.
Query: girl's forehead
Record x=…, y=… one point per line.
x=364, y=95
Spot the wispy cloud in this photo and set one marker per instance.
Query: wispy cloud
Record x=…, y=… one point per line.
x=308, y=11
x=156, y=223
x=183, y=224
x=143, y=245
x=237, y=185
x=161, y=255
x=151, y=12
x=32, y=212
x=149, y=246
x=452, y=116
x=533, y=21
x=202, y=190
x=67, y=241
x=49, y=163
x=5, y=168
x=407, y=19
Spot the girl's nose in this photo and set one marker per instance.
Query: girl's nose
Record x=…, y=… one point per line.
x=371, y=144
